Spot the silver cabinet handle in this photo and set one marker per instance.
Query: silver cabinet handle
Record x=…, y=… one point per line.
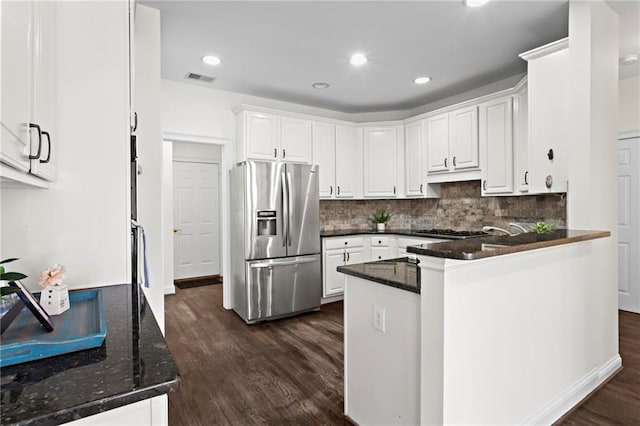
x=338, y=190
x=454, y=161
x=421, y=188
x=348, y=256
x=49, y=151
x=37, y=154
x=526, y=175
x=394, y=189
x=344, y=256
x=484, y=185
x=284, y=154
x=330, y=190
x=275, y=153
x=445, y=162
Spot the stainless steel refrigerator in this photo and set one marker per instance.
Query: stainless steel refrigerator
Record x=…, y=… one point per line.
x=275, y=239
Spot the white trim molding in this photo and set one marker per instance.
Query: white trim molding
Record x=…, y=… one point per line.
x=184, y=137
x=629, y=135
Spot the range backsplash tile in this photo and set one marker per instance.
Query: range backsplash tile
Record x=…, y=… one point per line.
x=459, y=207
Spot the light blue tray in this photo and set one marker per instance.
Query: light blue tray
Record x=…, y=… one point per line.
x=83, y=326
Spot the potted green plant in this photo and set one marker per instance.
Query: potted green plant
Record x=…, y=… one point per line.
x=380, y=218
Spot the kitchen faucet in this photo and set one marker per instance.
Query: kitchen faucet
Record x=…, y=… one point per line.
x=520, y=229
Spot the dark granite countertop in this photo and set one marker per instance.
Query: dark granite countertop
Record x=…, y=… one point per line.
x=400, y=273
x=348, y=232
x=482, y=247
x=133, y=364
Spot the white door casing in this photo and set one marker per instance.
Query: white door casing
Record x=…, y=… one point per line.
x=629, y=224
x=196, y=219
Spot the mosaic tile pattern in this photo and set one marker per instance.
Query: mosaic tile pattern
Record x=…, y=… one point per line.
x=460, y=207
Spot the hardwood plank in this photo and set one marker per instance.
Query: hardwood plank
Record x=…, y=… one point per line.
x=290, y=372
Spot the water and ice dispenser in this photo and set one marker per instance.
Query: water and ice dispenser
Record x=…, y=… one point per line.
x=266, y=222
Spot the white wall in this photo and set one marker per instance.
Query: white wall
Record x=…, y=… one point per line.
x=629, y=104
x=82, y=221
x=147, y=98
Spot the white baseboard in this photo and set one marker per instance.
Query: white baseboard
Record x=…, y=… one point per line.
x=331, y=299
x=169, y=289
x=576, y=393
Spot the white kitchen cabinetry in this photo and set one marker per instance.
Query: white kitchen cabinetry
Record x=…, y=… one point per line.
x=452, y=145
x=266, y=136
x=336, y=252
x=496, y=142
x=380, y=157
x=338, y=151
x=548, y=114
x=28, y=90
x=404, y=242
x=521, y=137
x=383, y=247
x=414, y=151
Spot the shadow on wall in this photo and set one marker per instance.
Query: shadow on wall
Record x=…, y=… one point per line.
x=460, y=207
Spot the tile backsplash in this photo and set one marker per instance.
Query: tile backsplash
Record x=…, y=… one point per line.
x=460, y=207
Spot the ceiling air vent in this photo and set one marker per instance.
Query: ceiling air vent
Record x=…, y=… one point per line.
x=199, y=77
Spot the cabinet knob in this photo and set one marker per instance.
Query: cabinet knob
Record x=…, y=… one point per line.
x=379, y=257
x=548, y=181
x=550, y=154
x=379, y=242
x=346, y=242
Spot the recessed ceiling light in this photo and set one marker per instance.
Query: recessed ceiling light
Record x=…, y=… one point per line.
x=421, y=80
x=358, y=59
x=475, y=3
x=211, y=60
x=320, y=85
x=629, y=59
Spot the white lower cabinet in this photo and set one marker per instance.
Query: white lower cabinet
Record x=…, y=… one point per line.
x=336, y=252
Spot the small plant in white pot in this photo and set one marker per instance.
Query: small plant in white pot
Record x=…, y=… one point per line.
x=380, y=218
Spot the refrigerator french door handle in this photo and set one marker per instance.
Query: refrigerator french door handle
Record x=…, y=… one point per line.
x=273, y=263
x=285, y=210
x=289, y=204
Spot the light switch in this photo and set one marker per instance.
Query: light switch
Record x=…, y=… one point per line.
x=378, y=318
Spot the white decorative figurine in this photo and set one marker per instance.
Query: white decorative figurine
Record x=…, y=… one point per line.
x=54, y=297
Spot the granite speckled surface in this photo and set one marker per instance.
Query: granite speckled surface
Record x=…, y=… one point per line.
x=400, y=273
x=133, y=364
x=348, y=232
x=478, y=248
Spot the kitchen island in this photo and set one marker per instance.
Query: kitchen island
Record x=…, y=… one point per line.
x=133, y=365
x=514, y=335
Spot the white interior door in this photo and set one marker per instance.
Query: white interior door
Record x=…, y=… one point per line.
x=196, y=215
x=628, y=224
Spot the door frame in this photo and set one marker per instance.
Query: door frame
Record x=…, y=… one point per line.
x=226, y=162
x=193, y=160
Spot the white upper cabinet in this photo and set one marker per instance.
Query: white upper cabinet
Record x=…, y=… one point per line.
x=28, y=88
x=268, y=136
x=548, y=91
x=414, y=159
x=380, y=157
x=349, y=179
x=521, y=138
x=324, y=155
x=296, y=140
x=437, y=129
x=463, y=138
x=496, y=142
x=17, y=58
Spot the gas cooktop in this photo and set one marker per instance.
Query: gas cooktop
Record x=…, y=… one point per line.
x=450, y=234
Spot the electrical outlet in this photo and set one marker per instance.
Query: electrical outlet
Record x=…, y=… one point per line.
x=378, y=318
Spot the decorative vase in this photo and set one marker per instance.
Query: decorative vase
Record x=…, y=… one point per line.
x=55, y=299
x=380, y=226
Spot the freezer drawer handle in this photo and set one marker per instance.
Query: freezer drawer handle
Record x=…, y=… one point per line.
x=281, y=263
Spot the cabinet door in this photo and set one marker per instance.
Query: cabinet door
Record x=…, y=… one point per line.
x=357, y=255
x=324, y=155
x=296, y=145
x=380, y=152
x=333, y=281
x=463, y=138
x=413, y=154
x=496, y=139
x=262, y=136
x=43, y=106
x=348, y=162
x=521, y=140
x=16, y=77
x=437, y=138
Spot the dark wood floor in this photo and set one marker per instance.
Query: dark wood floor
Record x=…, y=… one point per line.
x=290, y=372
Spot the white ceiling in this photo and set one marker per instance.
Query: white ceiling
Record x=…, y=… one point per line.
x=278, y=49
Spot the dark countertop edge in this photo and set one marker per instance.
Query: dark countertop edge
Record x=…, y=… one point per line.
x=483, y=254
x=353, y=232
x=103, y=405
x=346, y=271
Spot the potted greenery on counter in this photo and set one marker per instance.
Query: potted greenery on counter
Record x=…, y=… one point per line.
x=380, y=218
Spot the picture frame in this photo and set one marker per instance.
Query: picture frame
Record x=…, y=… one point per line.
x=33, y=305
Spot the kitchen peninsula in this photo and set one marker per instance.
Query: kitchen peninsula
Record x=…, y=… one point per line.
x=509, y=336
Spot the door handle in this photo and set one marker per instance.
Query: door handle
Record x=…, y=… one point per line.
x=273, y=263
x=289, y=207
x=285, y=210
x=37, y=155
x=49, y=144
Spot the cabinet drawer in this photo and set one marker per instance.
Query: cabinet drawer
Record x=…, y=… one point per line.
x=380, y=253
x=403, y=243
x=379, y=241
x=337, y=243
